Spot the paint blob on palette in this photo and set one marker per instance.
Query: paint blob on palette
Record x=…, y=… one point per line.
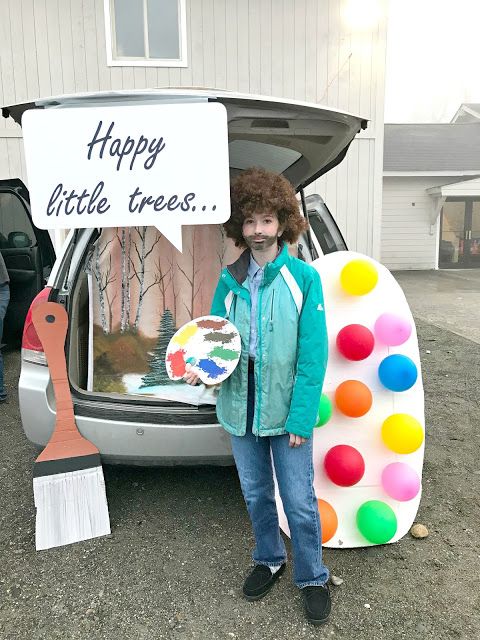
x=368, y=443
x=210, y=344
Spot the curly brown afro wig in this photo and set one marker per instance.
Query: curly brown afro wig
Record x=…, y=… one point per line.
x=256, y=190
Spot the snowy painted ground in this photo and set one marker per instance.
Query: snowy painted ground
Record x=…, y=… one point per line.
x=176, y=392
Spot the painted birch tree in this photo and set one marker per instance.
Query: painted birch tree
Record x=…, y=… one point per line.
x=124, y=238
x=103, y=279
x=191, y=276
x=173, y=265
x=222, y=247
x=111, y=279
x=128, y=277
x=163, y=281
x=124, y=266
x=139, y=274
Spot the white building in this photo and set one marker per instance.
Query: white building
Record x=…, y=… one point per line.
x=431, y=196
x=312, y=50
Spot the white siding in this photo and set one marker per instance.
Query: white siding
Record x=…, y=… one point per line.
x=408, y=240
x=294, y=49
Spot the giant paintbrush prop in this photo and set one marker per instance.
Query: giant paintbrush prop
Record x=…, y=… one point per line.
x=68, y=483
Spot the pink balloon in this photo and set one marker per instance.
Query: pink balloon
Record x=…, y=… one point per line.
x=392, y=330
x=400, y=481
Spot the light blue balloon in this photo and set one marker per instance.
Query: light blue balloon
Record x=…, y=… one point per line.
x=397, y=372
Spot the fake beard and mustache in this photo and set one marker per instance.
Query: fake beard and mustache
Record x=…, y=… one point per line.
x=264, y=242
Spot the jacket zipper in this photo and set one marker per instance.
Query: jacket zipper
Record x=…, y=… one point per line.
x=259, y=354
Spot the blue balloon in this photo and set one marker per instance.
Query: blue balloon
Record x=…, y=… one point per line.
x=397, y=372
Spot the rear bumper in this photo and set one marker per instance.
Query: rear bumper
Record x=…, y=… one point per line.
x=156, y=439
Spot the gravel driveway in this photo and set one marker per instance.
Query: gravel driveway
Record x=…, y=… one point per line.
x=175, y=562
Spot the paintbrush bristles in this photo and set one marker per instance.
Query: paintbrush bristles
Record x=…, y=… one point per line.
x=70, y=507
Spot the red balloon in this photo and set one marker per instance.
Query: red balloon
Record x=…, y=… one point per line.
x=355, y=342
x=344, y=465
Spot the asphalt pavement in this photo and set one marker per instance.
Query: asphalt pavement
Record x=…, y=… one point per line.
x=447, y=298
x=181, y=540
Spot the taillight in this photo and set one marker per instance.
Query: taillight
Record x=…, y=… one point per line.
x=32, y=349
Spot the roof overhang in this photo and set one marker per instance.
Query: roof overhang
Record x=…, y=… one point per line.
x=462, y=189
x=470, y=110
x=429, y=174
x=301, y=140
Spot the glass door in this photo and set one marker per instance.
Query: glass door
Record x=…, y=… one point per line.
x=460, y=234
x=452, y=235
x=472, y=244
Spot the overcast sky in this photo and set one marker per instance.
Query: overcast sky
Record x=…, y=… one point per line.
x=433, y=59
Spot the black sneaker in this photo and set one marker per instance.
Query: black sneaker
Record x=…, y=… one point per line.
x=317, y=603
x=260, y=581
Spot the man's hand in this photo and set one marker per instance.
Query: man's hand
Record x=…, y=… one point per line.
x=190, y=376
x=296, y=441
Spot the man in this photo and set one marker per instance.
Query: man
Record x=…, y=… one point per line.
x=4, y=299
x=270, y=402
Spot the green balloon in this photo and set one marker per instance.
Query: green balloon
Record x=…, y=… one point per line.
x=324, y=411
x=376, y=521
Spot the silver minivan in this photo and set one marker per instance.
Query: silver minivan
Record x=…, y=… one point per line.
x=300, y=140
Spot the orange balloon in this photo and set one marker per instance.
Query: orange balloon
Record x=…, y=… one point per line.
x=353, y=398
x=328, y=519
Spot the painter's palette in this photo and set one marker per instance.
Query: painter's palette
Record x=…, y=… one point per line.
x=368, y=443
x=210, y=344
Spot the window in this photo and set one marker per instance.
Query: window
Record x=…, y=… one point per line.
x=247, y=153
x=16, y=230
x=323, y=225
x=146, y=33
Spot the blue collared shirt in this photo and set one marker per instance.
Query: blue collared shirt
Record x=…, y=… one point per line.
x=255, y=275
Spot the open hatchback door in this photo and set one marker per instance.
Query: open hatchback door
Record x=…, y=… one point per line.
x=122, y=312
x=301, y=140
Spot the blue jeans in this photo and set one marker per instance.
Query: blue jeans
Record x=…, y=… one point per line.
x=4, y=300
x=294, y=471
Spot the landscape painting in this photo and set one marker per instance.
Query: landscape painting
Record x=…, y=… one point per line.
x=142, y=291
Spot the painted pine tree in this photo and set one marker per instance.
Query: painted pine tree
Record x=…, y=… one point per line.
x=158, y=373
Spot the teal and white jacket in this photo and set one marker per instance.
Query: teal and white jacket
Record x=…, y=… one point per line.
x=292, y=347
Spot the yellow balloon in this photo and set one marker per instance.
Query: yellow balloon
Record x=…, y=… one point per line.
x=402, y=433
x=358, y=277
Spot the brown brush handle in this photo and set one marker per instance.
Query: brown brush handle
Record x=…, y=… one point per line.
x=51, y=322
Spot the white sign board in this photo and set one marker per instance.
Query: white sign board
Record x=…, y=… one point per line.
x=156, y=165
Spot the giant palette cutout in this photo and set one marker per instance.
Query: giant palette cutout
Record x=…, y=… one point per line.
x=210, y=344
x=368, y=444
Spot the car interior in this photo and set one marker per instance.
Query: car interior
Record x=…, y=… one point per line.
x=28, y=257
x=323, y=227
